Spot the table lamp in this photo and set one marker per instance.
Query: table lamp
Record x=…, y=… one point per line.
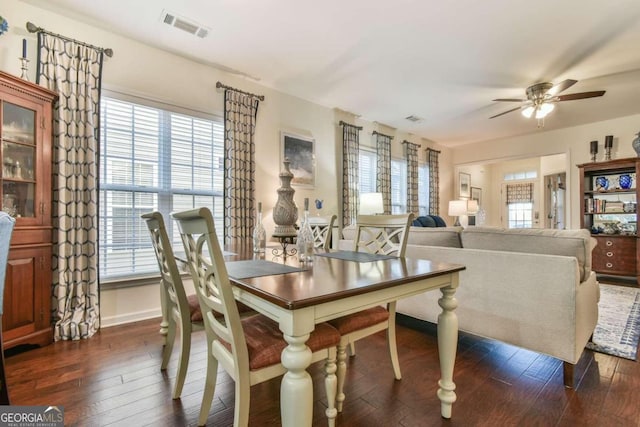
x=457, y=208
x=371, y=204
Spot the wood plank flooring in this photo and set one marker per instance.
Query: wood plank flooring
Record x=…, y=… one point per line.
x=115, y=379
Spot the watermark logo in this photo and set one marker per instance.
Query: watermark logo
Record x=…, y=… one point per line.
x=31, y=416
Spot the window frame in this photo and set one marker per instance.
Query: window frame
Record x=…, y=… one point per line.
x=163, y=190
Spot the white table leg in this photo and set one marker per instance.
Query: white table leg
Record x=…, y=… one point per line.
x=296, y=389
x=447, y=345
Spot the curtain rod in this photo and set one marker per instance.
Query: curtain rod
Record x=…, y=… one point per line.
x=412, y=143
x=33, y=28
x=349, y=124
x=431, y=149
x=220, y=85
x=375, y=132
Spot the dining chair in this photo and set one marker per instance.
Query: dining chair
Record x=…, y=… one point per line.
x=322, y=228
x=248, y=349
x=376, y=234
x=6, y=229
x=178, y=308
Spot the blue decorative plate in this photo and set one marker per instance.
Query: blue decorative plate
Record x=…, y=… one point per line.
x=602, y=183
x=625, y=181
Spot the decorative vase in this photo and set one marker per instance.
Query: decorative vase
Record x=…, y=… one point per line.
x=625, y=181
x=636, y=144
x=602, y=183
x=285, y=211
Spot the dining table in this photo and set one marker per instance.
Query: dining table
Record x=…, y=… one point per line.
x=333, y=284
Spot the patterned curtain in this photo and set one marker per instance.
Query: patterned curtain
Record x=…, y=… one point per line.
x=383, y=183
x=434, y=181
x=520, y=193
x=240, y=112
x=411, y=152
x=350, y=153
x=74, y=71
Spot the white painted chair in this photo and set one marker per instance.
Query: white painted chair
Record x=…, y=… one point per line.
x=322, y=227
x=178, y=309
x=378, y=234
x=248, y=349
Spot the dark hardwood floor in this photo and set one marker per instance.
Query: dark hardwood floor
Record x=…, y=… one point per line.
x=115, y=379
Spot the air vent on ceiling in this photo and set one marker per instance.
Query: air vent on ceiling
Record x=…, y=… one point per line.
x=184, y=24
x=413, y=118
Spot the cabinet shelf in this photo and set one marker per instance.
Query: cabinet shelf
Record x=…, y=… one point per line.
x=601, y=188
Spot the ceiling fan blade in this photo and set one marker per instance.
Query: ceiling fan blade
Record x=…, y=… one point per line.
x=509, y=100
x=505, y=112
x=581, y=95
x=563, y=85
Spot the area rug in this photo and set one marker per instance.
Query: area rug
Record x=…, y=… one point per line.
x=618, y=327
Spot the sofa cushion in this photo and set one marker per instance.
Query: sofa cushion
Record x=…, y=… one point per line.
x=439, y=221
x=435, y=236
x=575, y=243
x=424, y=221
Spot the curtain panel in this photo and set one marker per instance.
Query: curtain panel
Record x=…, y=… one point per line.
x=411, y=153
x=350, y=154
x=434, y=181
x=74, y=71
x=520, y=193
x=240, y=113
x=383, y=169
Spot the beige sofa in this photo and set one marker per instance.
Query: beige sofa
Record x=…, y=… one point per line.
x=532, y=288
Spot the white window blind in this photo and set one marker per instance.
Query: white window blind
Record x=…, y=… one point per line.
x=423, y=190
x=398, y=186
x=152, y=159
x=367, y=164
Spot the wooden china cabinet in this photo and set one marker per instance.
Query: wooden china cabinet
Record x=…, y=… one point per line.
x=609, y=209
x=25, y=194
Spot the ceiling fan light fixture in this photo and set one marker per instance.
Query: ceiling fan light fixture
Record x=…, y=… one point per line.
x=544, y=109
x=528, y=112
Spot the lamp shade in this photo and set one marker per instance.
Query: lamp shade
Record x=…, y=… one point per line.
x=472, y=207
x=457, y=207
x=371, y=203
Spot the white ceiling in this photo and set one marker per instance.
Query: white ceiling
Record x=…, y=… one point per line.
x=443, y=61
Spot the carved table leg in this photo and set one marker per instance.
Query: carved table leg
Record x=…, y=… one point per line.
x=296, y=389
x=447, y=346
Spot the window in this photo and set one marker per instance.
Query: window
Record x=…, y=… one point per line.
x=398, y=186
x=368, y=178
x=367, y=164
x=423, y=190
x=512, y=176
x=520, y=205
x=152, y=159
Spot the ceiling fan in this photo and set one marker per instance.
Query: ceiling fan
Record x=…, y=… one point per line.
x=541, y=98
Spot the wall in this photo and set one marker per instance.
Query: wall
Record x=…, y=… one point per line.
x=573, y=142
x=141, y=70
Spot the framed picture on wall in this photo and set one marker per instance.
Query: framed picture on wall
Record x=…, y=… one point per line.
x=464, y=185
x=476, y=194
x=300, y=150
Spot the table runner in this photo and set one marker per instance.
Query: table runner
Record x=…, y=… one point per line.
x=257, y=268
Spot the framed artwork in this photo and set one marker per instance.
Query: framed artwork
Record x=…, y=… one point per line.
x=300, y=150
x=476, y=194
x=464, y=184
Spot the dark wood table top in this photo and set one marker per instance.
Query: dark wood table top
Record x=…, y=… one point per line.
x=328, y=279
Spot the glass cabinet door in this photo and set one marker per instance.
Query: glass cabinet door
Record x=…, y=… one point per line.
x=18, y=160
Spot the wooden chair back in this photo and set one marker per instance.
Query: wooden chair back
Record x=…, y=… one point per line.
x=169, y=271
x=322, y=228
x=382, y=234
x=210, y=278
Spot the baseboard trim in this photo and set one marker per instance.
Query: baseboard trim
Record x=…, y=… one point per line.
x=106, y=322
